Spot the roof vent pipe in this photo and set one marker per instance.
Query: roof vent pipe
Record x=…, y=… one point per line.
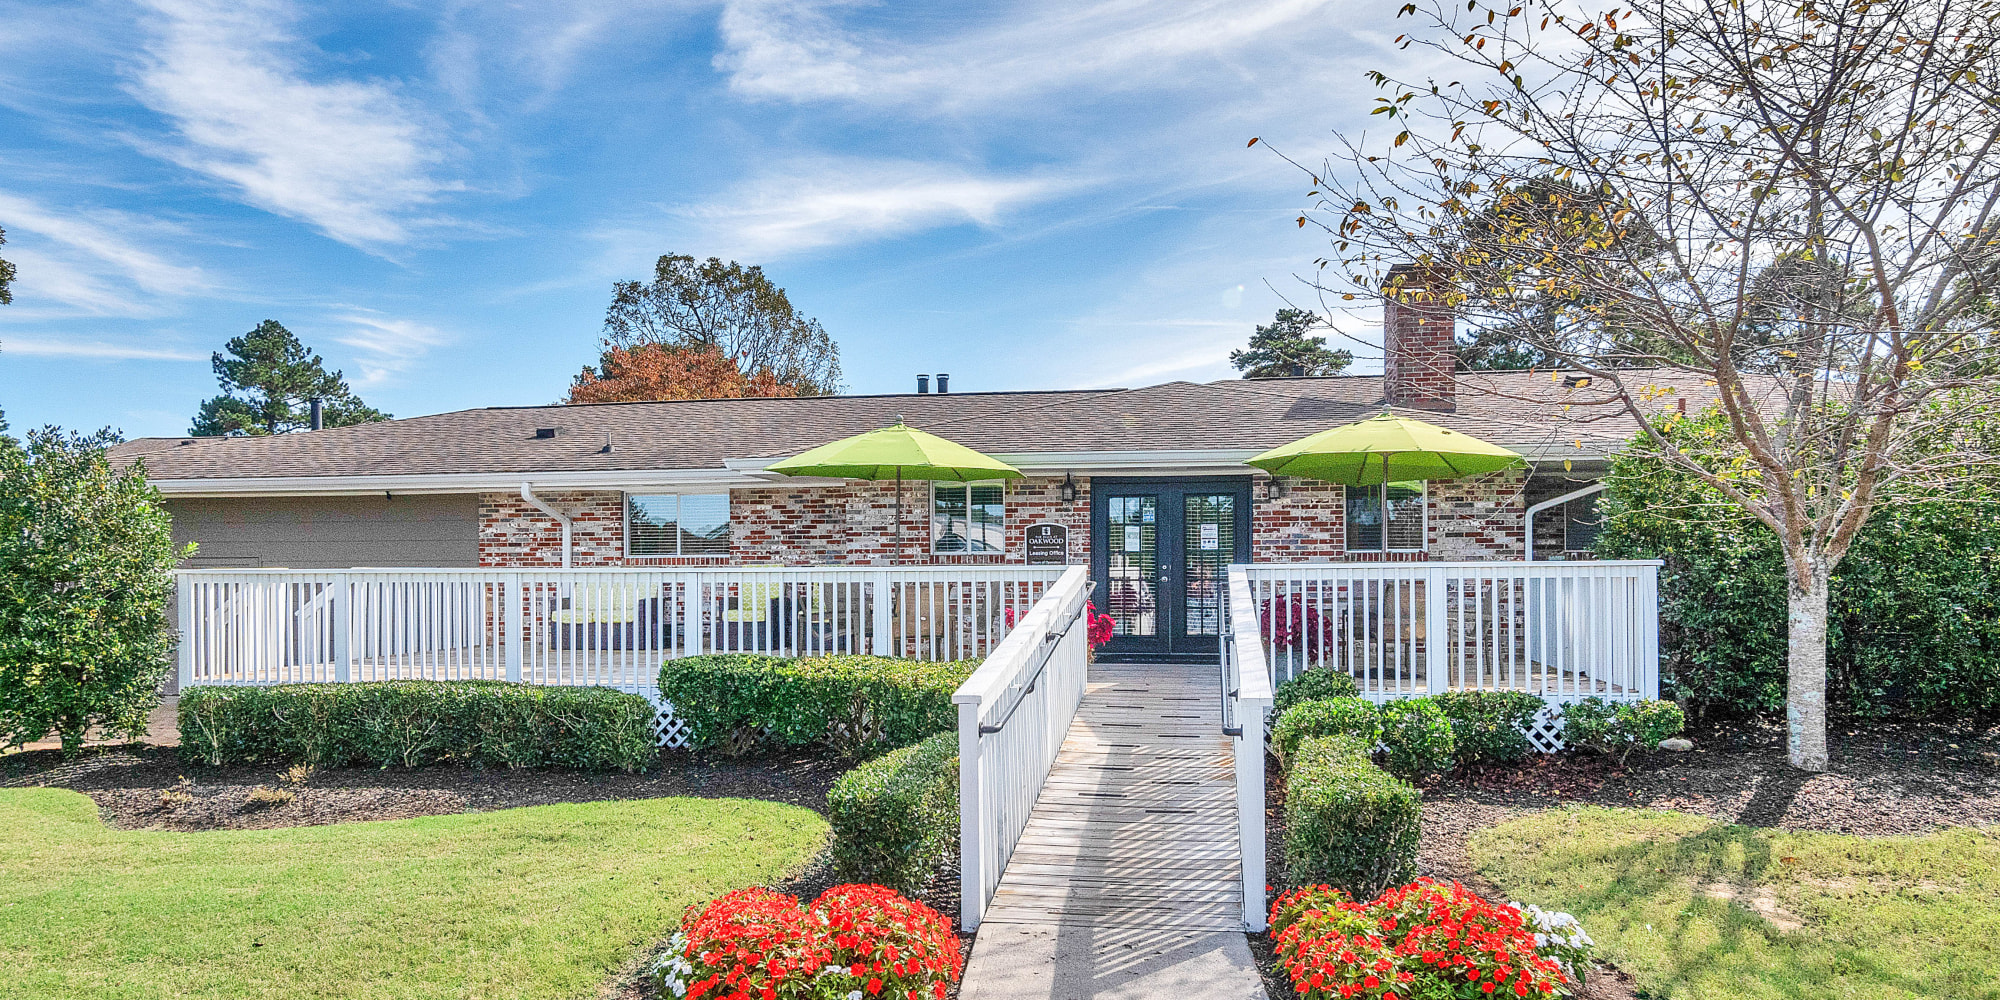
x=923, y=383
x=317, y=419
x=528, y=494
x=944, y=383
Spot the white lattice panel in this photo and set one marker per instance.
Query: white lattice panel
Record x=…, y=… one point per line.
x=671, y=730
x=1545, y=731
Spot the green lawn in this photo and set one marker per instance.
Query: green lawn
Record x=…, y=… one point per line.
x=537, y=903
x=1693, y=909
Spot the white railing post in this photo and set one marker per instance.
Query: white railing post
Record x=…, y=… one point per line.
x=691, y=615
x=1437, y=661
x=513, y=603
x=1648, y=624
x=341, y=618
x=184, y=655
x=1253, y=696
x=971, y=818
x=884, y=595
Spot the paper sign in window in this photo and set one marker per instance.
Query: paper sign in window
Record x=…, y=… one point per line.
x=1211, y=536
x=1131, y=538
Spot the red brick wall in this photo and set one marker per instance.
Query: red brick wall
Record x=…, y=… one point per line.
x=1469, y=520
x=852, y=525
x=513, y=533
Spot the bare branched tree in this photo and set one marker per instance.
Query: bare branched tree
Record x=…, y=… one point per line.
x=1791, y=199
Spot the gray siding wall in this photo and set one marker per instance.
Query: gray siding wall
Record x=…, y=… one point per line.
x=328, y=532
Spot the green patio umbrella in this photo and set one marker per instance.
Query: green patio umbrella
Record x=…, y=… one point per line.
x=899, y=452
x=1386, y=448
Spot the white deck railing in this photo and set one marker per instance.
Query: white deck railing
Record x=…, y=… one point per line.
x=1013, y=714
x=1246, y=698
x=1563, y=631
x=610, y=627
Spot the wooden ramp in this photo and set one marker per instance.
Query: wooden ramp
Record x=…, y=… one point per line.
x=1137, y=823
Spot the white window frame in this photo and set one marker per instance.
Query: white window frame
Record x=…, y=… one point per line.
x=1381, y=491
x=625, y=524
x=930, y=515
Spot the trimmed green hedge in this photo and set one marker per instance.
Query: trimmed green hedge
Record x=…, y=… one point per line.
x=1329, y=717
x=895, y=818
x=1620, y=727
x=1348, y=823
x=1313, y=685
x=736, y=702
x=413, y=723
x=1416, y=739
x=1490, y=727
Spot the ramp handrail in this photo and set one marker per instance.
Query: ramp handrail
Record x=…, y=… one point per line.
x=1013, y=713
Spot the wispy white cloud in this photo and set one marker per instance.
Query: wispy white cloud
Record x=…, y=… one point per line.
x=820, y=203
x=96, y=350
x=798, y=49
x=354, y=158
x=87, y=260
x=387, y=346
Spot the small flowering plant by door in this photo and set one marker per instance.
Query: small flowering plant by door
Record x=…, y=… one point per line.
x=1420, y=941
x=855, y=942
x=1099, y=625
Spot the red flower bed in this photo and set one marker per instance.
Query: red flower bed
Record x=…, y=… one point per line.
x=1425, y=939
x=865, y=940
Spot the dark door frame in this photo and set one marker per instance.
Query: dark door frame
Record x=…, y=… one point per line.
x=1171, y=599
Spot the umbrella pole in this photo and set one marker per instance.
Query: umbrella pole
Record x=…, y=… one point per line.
x=899, y=517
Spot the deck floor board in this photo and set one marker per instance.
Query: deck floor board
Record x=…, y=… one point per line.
x=1136, y=824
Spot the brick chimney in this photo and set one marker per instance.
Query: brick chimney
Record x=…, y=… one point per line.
x=1418, y=360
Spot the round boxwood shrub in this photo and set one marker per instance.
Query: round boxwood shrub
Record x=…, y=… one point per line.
x=1416, y=739
x=1329, y=717
x=1313, y=685
x=895, y=818
x=1490, y=727
x=1348, y=823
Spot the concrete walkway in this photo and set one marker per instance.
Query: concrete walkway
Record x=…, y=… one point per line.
x=1127, y=880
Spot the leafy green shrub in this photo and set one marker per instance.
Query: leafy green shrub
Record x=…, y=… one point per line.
x=413, y=723
x=1914, y=608
x=896, y=817
x=1348, y=823
x=1416, y=739
x=1313, y=685
x=87, y=559
x=1330, y=717
x=1490, y=727
x=735, y=702
x=1620, y=727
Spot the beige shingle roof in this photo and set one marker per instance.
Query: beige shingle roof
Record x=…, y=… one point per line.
x=1517, y=409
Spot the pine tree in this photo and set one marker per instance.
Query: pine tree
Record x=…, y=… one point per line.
x=268, y=380
x=1283, y=348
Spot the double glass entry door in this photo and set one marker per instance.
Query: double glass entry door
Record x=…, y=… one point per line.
x=1160, y=553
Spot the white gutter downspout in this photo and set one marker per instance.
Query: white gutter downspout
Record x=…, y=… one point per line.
x=528, y=494
x=1596, y=487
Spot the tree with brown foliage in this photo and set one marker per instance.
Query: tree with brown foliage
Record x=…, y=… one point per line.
x=653, y=371
x=1792, y=201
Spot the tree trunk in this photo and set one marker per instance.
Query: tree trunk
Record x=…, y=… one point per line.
x=1805, y=688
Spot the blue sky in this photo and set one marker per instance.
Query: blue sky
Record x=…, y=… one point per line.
x=437, y=197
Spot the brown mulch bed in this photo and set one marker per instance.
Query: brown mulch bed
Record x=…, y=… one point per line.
x=126, y=783
x=1884, y=779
